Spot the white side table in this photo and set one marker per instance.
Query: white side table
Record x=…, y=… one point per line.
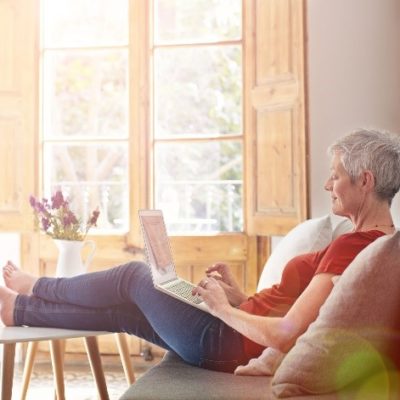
x=10, y=336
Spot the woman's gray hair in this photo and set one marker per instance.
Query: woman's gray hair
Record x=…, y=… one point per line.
x=378, y=152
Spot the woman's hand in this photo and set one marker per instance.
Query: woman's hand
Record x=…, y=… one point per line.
x=223, y=275
x=213, y=295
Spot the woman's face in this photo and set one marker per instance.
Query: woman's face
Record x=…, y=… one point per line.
x=345, y=194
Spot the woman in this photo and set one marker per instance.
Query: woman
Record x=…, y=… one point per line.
x=364, y=179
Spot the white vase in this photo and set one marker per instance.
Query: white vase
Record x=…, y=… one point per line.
x=69, y=261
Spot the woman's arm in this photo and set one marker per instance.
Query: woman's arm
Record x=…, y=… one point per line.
x=279, y=333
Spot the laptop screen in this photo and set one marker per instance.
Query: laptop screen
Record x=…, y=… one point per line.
x=157, y=245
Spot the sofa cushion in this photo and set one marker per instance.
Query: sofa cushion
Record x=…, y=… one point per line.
x=343, y=226
x=173, y=379
x=309, y=236
x=356, y=328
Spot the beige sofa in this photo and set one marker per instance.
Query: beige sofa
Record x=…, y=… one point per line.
x=173, y=379
x=349, y=352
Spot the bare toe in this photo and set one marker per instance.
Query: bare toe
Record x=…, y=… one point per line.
x=17, y=280
x=8, y=268
x=11, y=265
x=6, y=273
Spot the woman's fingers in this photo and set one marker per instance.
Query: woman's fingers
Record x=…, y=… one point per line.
x=217, y=267
x=201, y=285
x=216, y=277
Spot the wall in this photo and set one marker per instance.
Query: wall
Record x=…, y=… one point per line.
x=353, y=78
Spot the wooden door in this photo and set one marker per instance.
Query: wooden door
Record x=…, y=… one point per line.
x=18, y=112
x=275, y=111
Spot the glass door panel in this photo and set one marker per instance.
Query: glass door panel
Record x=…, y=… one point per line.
x=198, y=115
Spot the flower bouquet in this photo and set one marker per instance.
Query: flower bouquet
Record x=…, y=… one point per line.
x=56, y=219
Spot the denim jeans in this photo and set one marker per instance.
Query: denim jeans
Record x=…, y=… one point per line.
x=123, y=299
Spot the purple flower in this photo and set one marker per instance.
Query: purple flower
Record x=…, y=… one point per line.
x=69, y=219
x=32, y=201
x=41, y=207
x=57, y=201
x=36, y=205
x=56, y=219
x=45, y=224
x=93, y=219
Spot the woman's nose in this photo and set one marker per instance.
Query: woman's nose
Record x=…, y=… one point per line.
x=328, y=185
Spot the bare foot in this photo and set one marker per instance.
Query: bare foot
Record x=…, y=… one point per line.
x=17, y=280
x=7, y=301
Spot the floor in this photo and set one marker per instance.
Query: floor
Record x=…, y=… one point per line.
x=79, y=383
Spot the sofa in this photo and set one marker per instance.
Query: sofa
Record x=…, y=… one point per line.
x=349, y=352
x=173, y=379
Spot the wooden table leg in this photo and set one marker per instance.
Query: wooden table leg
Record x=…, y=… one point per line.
x=56, y=351
x=28, y=367
x=7, y=374
x=125, y=357
x=92, y=349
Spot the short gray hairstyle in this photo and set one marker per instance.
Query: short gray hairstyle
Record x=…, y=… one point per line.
x=378, y=152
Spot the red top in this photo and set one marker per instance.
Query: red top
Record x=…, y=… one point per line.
x=298, y=272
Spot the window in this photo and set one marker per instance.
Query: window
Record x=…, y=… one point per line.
x=144, y=104
x=196, y=128
x=85, y=92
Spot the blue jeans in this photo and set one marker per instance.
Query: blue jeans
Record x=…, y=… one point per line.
x=123, y=299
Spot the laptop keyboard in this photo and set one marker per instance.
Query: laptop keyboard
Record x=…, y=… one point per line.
x=184, y=289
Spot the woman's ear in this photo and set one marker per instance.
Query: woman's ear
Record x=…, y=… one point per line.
x=368, y=179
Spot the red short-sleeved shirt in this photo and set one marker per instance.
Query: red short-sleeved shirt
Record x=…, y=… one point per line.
x=298, y=272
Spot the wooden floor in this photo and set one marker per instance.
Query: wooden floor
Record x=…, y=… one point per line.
x=79, y=383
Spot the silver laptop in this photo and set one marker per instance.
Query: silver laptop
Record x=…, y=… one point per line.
x=160, y=261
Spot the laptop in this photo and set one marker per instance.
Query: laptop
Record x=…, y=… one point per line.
x=160, y=260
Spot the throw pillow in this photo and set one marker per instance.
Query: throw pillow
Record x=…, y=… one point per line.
x=355, y=331
x=265, y=364
x=344, y=226
x=309, y=236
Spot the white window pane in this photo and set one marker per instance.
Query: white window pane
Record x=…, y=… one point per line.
x=86, y=93
x=198, y=90
x=197, y=20
x=91, y=176
x=199, y=186
x=82, y=23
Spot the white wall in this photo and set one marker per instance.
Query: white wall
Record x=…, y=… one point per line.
x=353, y=78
